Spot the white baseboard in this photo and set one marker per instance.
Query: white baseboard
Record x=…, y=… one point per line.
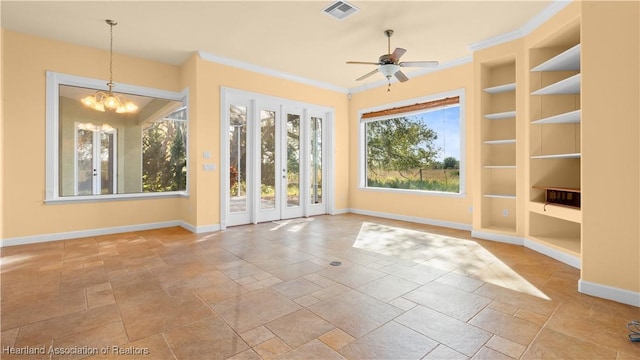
x=200, y=229
x=340, y=211
x=609, y=292
x=509, y=239
x=553, y=253
x=24, y=240
x=414, y=219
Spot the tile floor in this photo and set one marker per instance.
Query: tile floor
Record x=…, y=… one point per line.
x=403, y=291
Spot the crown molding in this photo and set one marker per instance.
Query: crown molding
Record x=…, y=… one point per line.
x=540, y=18
x=271, y=72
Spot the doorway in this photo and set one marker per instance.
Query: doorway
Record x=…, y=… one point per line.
x=275, y=151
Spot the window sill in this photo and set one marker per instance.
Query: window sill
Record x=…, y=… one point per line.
x=415, y=192
x=115, y=197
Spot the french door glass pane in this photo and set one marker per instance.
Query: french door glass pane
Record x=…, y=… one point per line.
x=238, y=158
x=84, y=166
x=316, y=160
x=293, y=160
x=107, y=163
x=267, y=159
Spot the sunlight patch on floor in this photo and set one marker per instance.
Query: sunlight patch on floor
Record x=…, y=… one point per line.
x=443, y=252
x=294, y=225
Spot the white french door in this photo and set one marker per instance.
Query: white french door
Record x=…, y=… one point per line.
x=95, y=160
x=275, y=155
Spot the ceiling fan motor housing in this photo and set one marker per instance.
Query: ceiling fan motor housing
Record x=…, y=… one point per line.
x=386, y=59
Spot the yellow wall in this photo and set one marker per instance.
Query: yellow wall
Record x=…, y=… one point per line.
x=430, y=207
x=27, y=58
x=25, y=61
x=610, y=144
x=205, y=110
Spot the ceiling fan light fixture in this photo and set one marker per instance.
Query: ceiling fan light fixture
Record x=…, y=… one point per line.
x=108, y=101
x=389, y=70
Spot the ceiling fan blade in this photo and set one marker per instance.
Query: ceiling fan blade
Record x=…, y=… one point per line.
x=401, y=76
x=419, y=64
x=397, y=53
x=363, y=62
x=367, y=75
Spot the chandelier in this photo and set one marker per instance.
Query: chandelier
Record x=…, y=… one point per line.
x=109, y=101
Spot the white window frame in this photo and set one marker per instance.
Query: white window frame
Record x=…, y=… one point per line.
x=53, y=82
x=362, y=146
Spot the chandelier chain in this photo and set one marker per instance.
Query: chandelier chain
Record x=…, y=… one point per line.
x=110, y=54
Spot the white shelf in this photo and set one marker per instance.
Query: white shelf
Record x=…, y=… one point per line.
x=569, y=85
x=500, y=88
x=500, y=142
x=499, y=196
x=502, y=115
x=566, y=61
x=558, y=156
x=557, y=211
x=571, y=117
x=499, y=166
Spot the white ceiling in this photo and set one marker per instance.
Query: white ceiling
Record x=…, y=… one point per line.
x=292, y=37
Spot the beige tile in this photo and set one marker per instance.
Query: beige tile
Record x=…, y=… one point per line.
x=573, y=320
x=62, y=290
x=299, y=327
x=355, y=313
x=352, y=276
x=388, y=288
x=509, y=327
x=261, y=284
x=390, y=341
x=17, y=313
x=221, y=291
x=459, y=281
x=161, y=316
x=506, y=346
x=55, y=328
x=306, y=300
x=445, y=329
x=504, y=307
x=8, y=337
x=330, y=291
x=336, y=339
x=246, y=355
x=294, y=271
x=531, y=316
x=209, y=338
x=489, y=354
x=551, y=344
x=312, y=350
x=250, y=310
x=416, y=275
x=257, y=336
x=296, y=288
x=403, y=304
x=448, y=300
x=442, y=352
x=103, y=336
x=271, y=349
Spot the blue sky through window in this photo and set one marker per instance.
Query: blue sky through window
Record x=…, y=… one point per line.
x=446, y=122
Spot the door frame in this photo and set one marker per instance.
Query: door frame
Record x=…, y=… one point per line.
x=227, y=96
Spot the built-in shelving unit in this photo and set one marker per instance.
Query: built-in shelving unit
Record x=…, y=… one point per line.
x=498, y=146
x=555, y=143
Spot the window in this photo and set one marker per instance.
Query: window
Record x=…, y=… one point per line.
x=416, y=147
x=95, y=155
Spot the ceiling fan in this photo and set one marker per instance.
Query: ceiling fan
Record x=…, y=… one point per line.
x=389, y=64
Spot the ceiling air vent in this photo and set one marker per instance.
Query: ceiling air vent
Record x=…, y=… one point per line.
x=340, y=9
